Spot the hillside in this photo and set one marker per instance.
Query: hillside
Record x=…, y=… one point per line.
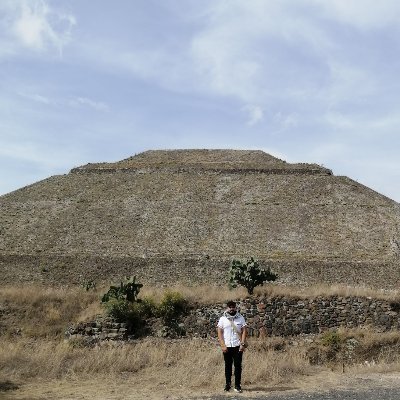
x=182, y=215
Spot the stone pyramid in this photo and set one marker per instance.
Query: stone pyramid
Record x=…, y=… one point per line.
x=183, y=215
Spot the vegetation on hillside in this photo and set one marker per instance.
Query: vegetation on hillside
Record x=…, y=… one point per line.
x=32, y=347
x=249, y=274
x=123, y=304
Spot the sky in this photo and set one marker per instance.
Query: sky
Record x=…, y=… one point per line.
x=311, y=81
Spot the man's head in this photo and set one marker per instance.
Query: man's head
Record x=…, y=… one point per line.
x=231, y=305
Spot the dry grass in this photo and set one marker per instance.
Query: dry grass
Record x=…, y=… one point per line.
x=219, y=294
x=39, y=354
x=328, y=290
x=190, y=363
x=376, y=348
x=199, y=362
x=38, y=311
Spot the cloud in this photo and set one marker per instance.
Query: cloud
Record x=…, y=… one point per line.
x=34, y=25
x=362, y=14
x=35, y=97
x=258, y=50
x=255, y=114
x=83, y=101
x=76, y=102
x=286, y=121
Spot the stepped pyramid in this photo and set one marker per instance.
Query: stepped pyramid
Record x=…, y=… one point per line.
x=182, y=215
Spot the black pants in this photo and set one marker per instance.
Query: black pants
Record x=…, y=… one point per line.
x=233, y=356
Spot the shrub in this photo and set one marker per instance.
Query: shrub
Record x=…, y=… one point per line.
x=332, y=339
x=122, y=304
x=249, y=274
x=134, y=314
x=172, y=307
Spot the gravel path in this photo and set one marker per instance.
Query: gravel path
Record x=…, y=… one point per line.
x=355, y=394
x=340, y=387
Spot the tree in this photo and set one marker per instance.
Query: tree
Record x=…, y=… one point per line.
x=249, y=274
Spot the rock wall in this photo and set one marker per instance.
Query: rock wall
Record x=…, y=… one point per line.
x=285, y=316
x=276, y=316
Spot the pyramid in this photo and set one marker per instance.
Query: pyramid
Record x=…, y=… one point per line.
x=182, y=215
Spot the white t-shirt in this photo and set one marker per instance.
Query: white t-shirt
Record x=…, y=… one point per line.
x=231, y=337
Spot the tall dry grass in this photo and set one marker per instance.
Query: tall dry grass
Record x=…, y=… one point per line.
x=194, y=363
x=39, y=311
x=218, y=294
x=39, y=350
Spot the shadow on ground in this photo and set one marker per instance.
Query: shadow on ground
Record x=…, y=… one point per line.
x=6, y=386
x=269, y=389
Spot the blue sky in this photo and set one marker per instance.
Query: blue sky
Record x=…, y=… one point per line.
x=311, y=81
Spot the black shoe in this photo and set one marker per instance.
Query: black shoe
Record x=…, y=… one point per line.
x=227, y=388
x=238, y=389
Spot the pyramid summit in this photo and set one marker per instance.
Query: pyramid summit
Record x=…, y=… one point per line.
x=204, y=159
x=182, y=215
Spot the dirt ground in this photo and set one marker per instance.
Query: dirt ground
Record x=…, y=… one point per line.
x=129, y=388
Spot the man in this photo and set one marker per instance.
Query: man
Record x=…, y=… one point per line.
x=232, y=333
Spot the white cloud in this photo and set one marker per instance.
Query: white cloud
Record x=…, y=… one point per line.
x=256, y=50
x=35, y=97
x=31, y=27
x=255, y=114
x=83, y=101
x=286, y=121
x=76, y=102
x=362, y=14
x=383, y=125
x=34, y=25
x=252, y=49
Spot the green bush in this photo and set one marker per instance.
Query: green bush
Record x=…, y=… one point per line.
x=122, y=305
x=134, y=314
x=249, y=275
x=172, y=307
x=332, y=340
x=148, y=307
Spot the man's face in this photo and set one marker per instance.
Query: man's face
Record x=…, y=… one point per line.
x=232, y=310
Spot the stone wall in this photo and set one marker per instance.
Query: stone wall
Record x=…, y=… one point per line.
x=276, y=316
x=285, y=316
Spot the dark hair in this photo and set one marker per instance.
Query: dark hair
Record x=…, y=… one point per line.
x=231, y=303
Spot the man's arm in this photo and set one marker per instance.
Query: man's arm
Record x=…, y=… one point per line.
x=221, y=339
x=243, y=337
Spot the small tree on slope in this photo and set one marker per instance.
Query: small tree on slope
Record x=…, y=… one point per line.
x=249, y=274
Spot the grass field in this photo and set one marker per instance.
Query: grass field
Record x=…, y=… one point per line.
x=36, y=359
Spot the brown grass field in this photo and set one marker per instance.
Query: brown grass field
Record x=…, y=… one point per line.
x=36, y=362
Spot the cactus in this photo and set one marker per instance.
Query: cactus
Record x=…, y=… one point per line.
x=128, y=290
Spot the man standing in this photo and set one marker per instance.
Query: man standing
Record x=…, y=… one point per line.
x=232, y=333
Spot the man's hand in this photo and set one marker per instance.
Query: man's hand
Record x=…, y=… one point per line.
x=224, y=349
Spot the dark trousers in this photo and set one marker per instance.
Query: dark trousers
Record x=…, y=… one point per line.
x=233, y=356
